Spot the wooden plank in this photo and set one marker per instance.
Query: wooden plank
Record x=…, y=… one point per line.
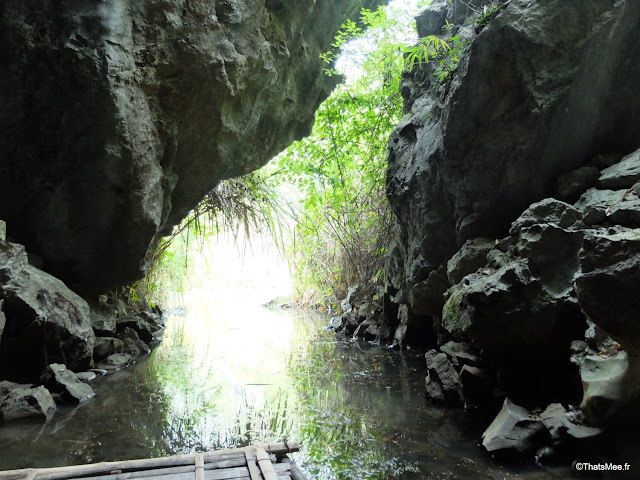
x=199, y=466
x=254, y=471
x=281, y=468
x=296, y=471
x=264, y=462
x=227, y=473
x=146, y=474
x=280, y=447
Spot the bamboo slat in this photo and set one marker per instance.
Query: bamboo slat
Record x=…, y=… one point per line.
x=254, y=472
x=296, y=471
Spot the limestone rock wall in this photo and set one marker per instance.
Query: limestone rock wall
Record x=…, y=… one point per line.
x=118, y=116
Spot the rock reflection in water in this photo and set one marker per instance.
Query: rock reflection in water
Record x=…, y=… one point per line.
x=232, y=377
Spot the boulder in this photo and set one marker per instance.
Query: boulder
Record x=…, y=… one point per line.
x=65, y=386
x=132, y=344
x=607, y=287
x=470, y=258
x=6, y=387
x=610, y=207
x=514, y=430
x=461, y=353
x=3, y=231
x=103, y=321
x=141, y=108
x=106, y=346
x=114, y=362
x=13, y=258
x=3, y=320
x=607, y=386
x=145, y=328
x=46, y=322
x=22, y=403
x=442, y=383
x=86, y=377
x=548, y=210
x=623, y=174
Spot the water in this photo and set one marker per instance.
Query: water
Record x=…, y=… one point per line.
x=226, y=377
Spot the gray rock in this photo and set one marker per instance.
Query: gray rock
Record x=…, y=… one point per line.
x=442, y=383
x=146, y=107
x=607, y=287
x=3, y=320
x=607, y=386
x=6, y=386
x=145, y=328
x=608, y=207
x=471, y=257
x=469, y=157
x=622, y=175
x=13, y=258
x=571, y=185
x=23, y=403
x=461, y=353
x=132, y=344
x=114, y=362
x=103, y=321
x=527, y=305
x=554, y=417
x=548, y=210
x=51, y=323
x=515, y=430
x=86, y=377
x=99, y=371
x=3, y=231
x=106, y=346
x=65, y=386
x=427, y=297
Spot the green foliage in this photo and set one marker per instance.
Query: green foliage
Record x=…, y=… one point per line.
x=488, y=13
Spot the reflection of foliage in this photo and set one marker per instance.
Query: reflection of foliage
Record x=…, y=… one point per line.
x=339, y=433
x=187, y=384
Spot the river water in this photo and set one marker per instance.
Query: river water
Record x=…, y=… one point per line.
x=235, y=375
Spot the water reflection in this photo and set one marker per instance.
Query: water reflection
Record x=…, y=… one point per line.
x=234, y=376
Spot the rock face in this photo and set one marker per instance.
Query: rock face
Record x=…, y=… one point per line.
x=520, y=112
x=118, y=116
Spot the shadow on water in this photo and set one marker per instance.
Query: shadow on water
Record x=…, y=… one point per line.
x=232, y=377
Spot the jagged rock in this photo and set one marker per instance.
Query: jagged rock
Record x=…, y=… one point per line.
x=607, y=386
x=548, y=210
x=434, y=17
x=46, y=322
x=442, y=383
x=64, y=385
x=557, y=422
x=470, y=156
x=427, y=297
x=607, y=287
x=13, y=258
x=144, y=328
x=141, y=108
x=621, y=175
x=86, y=377
x=477, y=384
x=571, y=185
x=6, y=387
x=114, y=362
x=132, y=344
x=461, y=353
x=3, y=231
x=526, y=306
x=21, y=403
x=514, y=429
x=106, y=346
x=610, y=207
x=3, y=320
x=103, y=321
x=155, y=317
x=471, y=257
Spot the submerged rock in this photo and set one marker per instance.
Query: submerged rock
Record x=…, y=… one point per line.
x=65, y=386
x=443, y=383
x=21, y=403
x=514, y=430
x=114, y=362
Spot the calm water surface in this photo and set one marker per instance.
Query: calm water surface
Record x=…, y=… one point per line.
x=226, y=377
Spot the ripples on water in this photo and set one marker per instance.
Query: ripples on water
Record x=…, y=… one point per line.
x=232, y=377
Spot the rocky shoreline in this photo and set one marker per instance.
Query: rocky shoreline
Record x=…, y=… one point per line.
x=53, y=343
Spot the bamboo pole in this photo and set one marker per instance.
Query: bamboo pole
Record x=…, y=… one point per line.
x=199, y=466
x=254, y=472
x=296, y=471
